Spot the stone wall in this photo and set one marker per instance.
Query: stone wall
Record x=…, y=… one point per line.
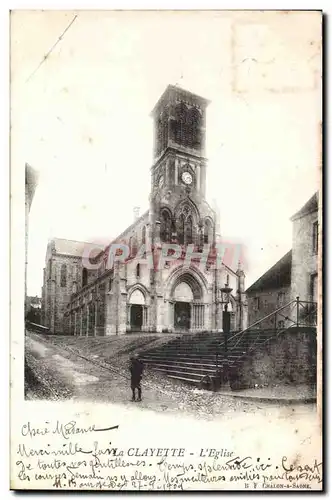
x=304, y=257
x=57, y=291
x=291, y=359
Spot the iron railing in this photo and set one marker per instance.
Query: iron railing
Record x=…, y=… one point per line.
x=296, y=313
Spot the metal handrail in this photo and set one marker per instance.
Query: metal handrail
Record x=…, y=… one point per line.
x=278, y=333
x=296, y=302
x=263, y=319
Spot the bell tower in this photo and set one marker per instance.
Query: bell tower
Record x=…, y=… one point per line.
x=179, y=162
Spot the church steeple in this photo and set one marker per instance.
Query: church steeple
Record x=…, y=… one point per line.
x=179, y=141
x=179, y=122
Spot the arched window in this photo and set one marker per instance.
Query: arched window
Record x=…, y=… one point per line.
x=84, y=277
x=180, y=229
x=180, y=124
x=143, y=235
x=159, y=135
x=110, y=284
x=165, y=227
x=162, y=132
x=189, y=231
x=207, y=231
x=194, y=123
x=134, y=246
x=165, y=130
x=50, y=268
x=63, y=275
x=138, y=271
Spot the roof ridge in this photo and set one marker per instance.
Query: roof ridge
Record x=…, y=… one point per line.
x=261, y=278
x=311, y=205
x=75, y=241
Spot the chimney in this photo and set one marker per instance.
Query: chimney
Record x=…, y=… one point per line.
x=136, y=213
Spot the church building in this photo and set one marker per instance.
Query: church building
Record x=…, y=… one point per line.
x=150, y=290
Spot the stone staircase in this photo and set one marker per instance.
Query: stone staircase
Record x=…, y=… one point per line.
x=204, y=360
x=200, y=359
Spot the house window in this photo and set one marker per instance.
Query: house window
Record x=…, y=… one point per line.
x=281, y=299
x=315, y=237
x=281, y=324
x=256, y=303
x=63, y=275
x=138, y=271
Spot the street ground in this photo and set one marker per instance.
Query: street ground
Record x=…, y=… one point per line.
x=96, y=370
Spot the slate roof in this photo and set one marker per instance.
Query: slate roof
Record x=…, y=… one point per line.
x=74, y=248
x=277, y=276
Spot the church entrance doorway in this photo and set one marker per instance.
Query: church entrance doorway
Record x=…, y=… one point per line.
x=182, y=315
x=187, y=307
x=136, y=312
x=136, y=317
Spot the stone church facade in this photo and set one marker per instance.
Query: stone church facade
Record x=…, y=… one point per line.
x=158, y=280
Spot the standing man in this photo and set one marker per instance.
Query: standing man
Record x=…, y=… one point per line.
x=136, y=371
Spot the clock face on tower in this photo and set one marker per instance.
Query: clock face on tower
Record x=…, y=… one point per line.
x=187, y=178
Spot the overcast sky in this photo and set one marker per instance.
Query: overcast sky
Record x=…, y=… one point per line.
x=82, y=120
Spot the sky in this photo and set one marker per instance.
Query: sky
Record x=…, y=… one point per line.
x=82, y=120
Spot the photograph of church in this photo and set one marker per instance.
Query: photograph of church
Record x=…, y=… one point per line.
x=172, y=265
x=131, y=295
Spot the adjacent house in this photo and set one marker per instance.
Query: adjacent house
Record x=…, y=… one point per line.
x=295, y=275
x=270, y=292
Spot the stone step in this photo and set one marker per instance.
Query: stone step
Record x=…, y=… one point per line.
x=197, y=346
x=194, y=346
x=193, y=354
x=179, y=357
x=188, y=361
x=187, y=380
x=175, y=373
x=178, y=362
x=181, y=352
x=187, y=369
x=189, y=358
